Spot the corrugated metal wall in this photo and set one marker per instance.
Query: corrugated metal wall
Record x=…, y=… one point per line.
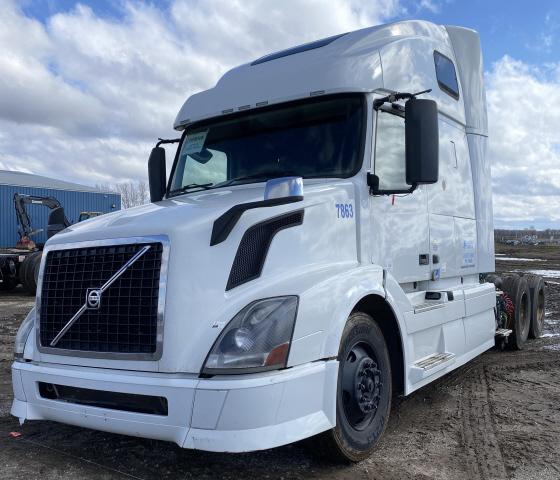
x=73, y=203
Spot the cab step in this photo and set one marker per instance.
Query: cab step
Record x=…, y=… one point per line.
x=434, y=360
x=429, y=365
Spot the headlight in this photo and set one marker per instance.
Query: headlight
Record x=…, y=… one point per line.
x=258, y=338
x=23, y=333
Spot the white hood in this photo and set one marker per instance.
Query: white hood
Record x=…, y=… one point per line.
x=197, y=304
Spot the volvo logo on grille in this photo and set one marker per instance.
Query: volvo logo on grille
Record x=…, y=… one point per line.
x=93, y=298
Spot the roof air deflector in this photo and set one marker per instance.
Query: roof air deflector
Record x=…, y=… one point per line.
x=299, y=49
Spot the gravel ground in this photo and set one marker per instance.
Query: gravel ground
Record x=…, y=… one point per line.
x=496, y=418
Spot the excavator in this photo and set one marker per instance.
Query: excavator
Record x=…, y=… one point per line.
x=25, y=229
x=21, y=264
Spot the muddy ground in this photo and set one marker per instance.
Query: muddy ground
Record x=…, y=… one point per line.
x=496, y=418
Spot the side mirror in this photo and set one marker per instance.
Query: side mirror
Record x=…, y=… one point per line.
x=422, y=141
x=57, y=222
x=156, y=174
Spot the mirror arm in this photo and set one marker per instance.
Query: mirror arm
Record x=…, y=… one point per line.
x=163, y=141
x=396, y=96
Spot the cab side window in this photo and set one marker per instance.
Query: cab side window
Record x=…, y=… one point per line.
x=390, y=164
x=446, y=75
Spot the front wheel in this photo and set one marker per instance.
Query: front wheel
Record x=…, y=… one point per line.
x=363, y=394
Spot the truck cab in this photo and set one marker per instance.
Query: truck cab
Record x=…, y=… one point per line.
x=316, y=249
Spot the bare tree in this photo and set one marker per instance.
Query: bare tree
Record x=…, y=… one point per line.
x=143, y=192
x=132, y=193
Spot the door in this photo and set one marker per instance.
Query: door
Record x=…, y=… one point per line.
x=400, y=222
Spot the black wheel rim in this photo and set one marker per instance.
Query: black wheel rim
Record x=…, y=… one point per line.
x=361, y=386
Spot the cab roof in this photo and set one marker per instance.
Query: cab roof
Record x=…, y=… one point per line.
x=349, y=62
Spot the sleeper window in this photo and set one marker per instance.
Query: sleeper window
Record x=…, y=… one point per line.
x=446, y=75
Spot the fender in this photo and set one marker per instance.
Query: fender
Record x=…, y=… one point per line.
x=325, y=307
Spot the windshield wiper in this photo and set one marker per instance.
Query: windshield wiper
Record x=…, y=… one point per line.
x=184, y=188
x=263, y=175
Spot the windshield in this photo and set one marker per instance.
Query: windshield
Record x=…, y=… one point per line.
x=321, y=137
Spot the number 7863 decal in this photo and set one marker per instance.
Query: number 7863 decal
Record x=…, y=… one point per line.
x=344, y=210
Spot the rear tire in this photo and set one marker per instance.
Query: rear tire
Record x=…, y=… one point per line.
x=538, y=299
x=8, y=284
x=21, y=272
x=364, y=392
x=518, y=290
x=495, y=279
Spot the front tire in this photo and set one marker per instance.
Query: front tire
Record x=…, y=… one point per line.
x=363, y=394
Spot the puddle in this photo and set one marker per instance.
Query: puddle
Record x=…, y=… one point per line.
x=550, y=335
x=545, y=273
x=515, y=259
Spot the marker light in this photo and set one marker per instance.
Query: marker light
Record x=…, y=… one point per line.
x=23, y=333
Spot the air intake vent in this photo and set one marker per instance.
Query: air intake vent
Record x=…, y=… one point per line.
x=251, y=254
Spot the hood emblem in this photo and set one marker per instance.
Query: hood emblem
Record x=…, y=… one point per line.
x=93, y=298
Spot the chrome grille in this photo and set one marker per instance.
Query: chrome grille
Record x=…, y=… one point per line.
x=126, y=321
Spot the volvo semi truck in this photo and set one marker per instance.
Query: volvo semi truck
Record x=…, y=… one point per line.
x=322, y=244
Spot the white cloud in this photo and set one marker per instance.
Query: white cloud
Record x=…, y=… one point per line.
x=546, y=38
x=83, y=97
x=430, y=5
x=524, y=128
x=28, y=87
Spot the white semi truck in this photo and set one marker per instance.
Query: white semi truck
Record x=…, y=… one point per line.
x=320, y=246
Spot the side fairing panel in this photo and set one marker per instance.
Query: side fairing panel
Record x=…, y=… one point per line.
x=482, y=181
x=466, y=245
x=468, y=53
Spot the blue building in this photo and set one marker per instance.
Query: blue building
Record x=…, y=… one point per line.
x=73, y=197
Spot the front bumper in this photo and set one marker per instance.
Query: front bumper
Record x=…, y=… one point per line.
x=222, y=414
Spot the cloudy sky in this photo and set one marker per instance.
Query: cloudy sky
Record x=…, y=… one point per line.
x=86, y=87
